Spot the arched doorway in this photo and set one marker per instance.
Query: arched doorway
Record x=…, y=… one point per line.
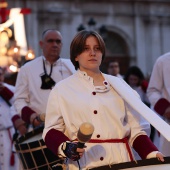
x=116, y=49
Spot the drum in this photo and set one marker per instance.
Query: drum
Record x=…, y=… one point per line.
x=33, y=153
x=147, y=164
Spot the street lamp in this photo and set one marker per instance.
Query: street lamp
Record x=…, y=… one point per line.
x=81, y=27
x=103, y=31
x=91, y=25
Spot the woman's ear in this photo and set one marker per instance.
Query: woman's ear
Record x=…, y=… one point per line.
x=76, y=59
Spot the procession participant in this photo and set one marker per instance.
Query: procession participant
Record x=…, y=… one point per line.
x=136, y=79
x=36, y=78
x=90, y=96
x=114, y=69
x=158, y=93
x=8, y=159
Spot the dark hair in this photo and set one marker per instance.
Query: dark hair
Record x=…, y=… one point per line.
x=134, y=70
x=78, y=44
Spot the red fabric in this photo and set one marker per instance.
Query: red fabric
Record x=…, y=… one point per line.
x=25, y=11
x=144, y=85
x=3, y=15
x=161, y=105
x=4, y=12
x=143, y=146
x=26, y=113
x=12, y=159
x=124, y=140
x=6, y=94
x=15, y=117
x=54, y=139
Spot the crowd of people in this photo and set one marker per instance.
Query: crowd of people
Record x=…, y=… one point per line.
x=72, y=91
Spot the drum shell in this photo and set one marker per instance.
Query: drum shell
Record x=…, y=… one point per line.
x=146, y=164
x=35, y=155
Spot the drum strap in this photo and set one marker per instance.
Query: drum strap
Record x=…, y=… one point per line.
x=124, y=140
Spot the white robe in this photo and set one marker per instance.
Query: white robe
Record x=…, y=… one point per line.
x=159, y=87
x=5, y=142
x=28, y=91
x=71, y=103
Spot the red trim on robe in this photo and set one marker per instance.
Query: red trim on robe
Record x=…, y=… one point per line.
x=26, y=112
x=54, y=138
x=161, y=105
x=143, y=146
x=23, y=11
x=6, y=94
x=15, y=117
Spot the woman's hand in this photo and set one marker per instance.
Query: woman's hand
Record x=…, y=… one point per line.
x=34, y=121
x=22, y=129
x=72, y=151
x=160, y=156
x=80, y=151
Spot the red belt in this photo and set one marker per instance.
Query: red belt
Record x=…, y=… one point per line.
x=124, y=140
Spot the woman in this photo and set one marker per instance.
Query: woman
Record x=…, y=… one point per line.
x=87, y=96
x=135, y=78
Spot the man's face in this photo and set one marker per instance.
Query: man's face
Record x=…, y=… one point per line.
x=51, y=45
x=113, y=68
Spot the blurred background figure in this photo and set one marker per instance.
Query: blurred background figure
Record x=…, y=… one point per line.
x=114, y=69
x=158, y=93
x=8, y=159
x=135, y=78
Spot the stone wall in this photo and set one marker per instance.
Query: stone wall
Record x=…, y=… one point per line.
x=143, y=26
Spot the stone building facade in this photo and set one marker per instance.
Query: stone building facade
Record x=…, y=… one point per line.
x=136, y=32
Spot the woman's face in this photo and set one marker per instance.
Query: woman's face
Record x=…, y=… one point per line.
x=90, y=59
x=133, y=80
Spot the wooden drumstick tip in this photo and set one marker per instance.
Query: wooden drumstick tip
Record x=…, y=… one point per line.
x=41, y=117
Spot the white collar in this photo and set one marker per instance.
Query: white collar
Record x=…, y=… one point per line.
x=100, y=89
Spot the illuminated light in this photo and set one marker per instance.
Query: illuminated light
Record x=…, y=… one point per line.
x=9, y=31
x=3, y=4
x=1, y=29
x=15, y=50
x=19, y=29
x=5, y=61
x=30, y=55
x=13, y=68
